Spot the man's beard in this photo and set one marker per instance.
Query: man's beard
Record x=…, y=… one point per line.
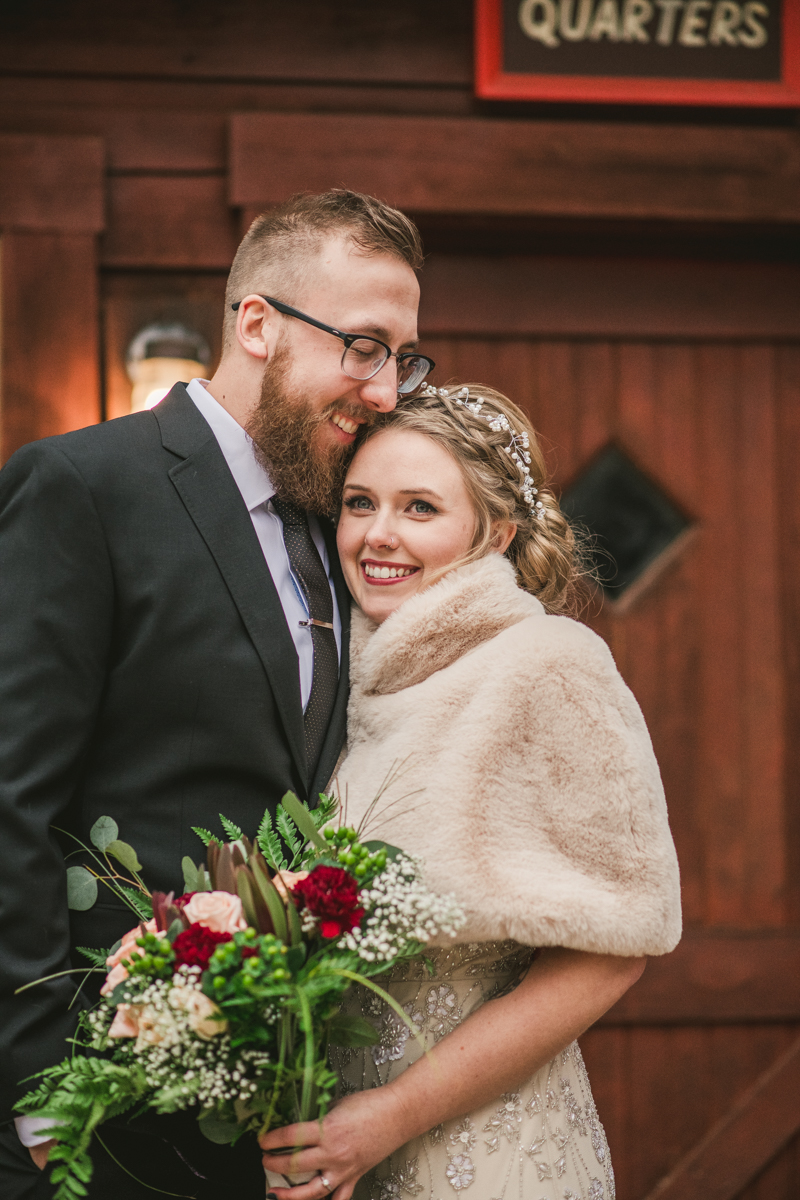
x=285, y=432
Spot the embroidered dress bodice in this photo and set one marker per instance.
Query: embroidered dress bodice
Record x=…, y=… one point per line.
x=541, y=1142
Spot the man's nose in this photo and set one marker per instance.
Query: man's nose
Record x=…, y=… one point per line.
x=380, y=392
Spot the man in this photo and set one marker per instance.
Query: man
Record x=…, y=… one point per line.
x=174, y=631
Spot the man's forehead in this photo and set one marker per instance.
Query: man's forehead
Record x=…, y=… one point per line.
x=363, y=293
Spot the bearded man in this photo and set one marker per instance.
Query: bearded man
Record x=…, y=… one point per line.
x=175, y=632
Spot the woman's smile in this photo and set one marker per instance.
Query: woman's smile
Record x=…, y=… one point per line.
x=378, y=574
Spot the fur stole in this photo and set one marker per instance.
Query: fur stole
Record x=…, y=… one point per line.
x=519, y=767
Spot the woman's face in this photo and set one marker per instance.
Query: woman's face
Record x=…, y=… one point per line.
x=406, y=515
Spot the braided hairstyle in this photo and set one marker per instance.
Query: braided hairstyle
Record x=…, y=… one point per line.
x=545, y=550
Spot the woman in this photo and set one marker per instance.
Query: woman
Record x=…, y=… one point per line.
x=519, y=768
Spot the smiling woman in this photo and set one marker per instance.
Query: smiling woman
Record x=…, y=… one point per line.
x=529, y=790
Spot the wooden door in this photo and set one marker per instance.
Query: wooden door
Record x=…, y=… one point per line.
x=710, y=649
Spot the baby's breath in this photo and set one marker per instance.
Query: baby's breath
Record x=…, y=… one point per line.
x=401, y=914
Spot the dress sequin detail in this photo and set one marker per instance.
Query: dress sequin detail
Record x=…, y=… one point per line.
x=533, y=1144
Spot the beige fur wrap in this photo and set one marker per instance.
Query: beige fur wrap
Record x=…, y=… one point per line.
x=531, y=789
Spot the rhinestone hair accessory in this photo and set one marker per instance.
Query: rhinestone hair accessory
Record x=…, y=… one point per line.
x=517, y=448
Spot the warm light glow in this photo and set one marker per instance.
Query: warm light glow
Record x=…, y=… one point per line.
x=156, y=395
x=153, y=377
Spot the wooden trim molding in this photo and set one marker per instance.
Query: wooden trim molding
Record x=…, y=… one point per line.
x=563, y=296
x=554, y=168
x=741, y=1144
x=51, y=183
x=717, y=977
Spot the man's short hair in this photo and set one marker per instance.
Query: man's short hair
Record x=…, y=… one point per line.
x=274, y=252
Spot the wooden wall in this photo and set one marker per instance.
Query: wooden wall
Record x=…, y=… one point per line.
x=629, y=276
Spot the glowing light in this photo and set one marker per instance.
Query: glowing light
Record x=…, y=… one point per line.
x=161, y=356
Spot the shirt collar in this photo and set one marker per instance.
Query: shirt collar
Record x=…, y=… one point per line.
x=250, y=476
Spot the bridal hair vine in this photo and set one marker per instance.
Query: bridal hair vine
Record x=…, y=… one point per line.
x=517, y=448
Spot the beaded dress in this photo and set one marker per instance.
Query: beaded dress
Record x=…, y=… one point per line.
x=542, y=1142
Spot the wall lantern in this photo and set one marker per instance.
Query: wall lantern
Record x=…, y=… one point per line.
x=162, y=355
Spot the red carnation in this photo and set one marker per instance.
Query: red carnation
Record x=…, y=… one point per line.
x=195, y=945
x=331, y=895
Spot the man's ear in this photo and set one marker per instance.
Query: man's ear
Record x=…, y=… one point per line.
x=256, y=327
x=503, y=533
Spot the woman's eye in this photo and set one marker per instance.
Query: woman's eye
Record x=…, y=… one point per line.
x=421, y=507
x=362, y=503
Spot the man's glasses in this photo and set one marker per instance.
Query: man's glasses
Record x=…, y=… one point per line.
x=363, y=356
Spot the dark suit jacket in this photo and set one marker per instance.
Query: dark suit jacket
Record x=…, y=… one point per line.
x=146, y=672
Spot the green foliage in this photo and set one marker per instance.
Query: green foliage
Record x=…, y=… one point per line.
x=205, y=835
x=347, y=1030
x=270, y=844
x=288, y=831
x=104, y=831
x=189, y=874
x=142, y=904
x=125, y=854
x=77, y=1095
x=233, y=832
x=96, y=957
x=81, y=889
x=301, y=817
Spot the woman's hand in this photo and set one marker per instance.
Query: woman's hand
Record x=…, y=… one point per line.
x=358, y=1133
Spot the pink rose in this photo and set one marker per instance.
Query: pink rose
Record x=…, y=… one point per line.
x=285, y=880
x=118, y=973
x=203, y=1014
x=220, y=912
x=126, y=1021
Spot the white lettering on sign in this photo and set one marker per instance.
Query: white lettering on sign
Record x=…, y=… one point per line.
x=693, y=23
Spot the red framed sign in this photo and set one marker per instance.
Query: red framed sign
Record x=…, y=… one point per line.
x=735, y=52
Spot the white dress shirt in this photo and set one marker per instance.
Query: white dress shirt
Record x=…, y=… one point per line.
x=257, y=491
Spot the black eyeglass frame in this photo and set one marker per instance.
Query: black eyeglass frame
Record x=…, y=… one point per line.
x=348, y=339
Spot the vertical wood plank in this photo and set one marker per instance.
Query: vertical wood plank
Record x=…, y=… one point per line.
x=50, y=365
x=788, y=457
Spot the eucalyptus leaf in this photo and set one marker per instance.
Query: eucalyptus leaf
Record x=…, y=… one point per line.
x=346, y=1030
x=303, y=820
x=189, y=874
x=175, y=928
x=104, y=831
x=218, y=1131
x=81, y=889
x=125, y=854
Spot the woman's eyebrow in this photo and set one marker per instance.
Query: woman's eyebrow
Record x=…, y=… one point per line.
x=419, y=492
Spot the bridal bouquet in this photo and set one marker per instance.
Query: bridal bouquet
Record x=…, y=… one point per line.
x=225, y=998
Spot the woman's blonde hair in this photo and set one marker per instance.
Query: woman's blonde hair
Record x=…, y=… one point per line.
x=545, y=551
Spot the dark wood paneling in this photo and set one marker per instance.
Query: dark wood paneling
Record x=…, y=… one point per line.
x=788, y=500
x=715, y=978
x=50, y=379
x=757, y=1126
x=252, y=39
x=429, y=164
x=584, y=297
x=49, y=183
x=159, y=125
x=170, y=221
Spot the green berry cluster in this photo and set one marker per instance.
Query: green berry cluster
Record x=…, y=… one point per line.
x=352, y=855
x=157, y=959
x=234, y=975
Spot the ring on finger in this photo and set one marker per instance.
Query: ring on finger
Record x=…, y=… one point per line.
x=326, y=1184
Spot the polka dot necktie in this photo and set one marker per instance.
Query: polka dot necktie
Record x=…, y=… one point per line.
x=310, y=574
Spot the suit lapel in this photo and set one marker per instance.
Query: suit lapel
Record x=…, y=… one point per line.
x=214, y=503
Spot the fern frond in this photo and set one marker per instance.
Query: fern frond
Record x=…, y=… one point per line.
x=325, y=810
x=270, y=844
x=232, y=831
x=205, y=835
x=143, y=904
x=96, y=957
x=289, y=833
